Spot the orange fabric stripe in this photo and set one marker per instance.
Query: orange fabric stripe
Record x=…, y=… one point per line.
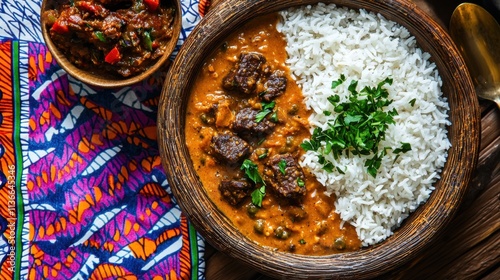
x=167, y=235
x=185, y=254
x=7, y=161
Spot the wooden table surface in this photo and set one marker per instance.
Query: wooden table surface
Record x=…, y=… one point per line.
x=469, y=248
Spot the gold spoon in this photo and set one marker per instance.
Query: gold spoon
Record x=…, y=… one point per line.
x=477, y=36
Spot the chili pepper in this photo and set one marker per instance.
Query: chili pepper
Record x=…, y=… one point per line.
x=152, y=4
x=113, y=56
x=60, y=27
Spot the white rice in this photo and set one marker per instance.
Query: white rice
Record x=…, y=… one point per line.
x=325, y=41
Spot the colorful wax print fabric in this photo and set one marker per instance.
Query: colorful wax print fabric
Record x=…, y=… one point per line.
x=82, y=188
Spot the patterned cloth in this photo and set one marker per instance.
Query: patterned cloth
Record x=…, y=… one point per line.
x=82, y=189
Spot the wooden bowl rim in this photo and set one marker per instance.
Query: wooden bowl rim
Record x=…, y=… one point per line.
x=369, y=262
x=107, y=81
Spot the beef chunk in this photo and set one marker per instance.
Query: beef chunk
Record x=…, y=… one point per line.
x=246, y=126
x=235, y=191
x=244, y=75
x=285, y=184
x=274, y=86
x=229, y=148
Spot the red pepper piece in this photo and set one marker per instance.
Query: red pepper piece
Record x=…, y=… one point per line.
x=89, y=7
x=60, y=27
x=152, y=4
x=113, y=56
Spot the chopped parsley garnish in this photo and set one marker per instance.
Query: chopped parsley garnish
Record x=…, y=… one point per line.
x=263, y=155
x=267, y=108
x=338, y=82
x=258, y=196
x=148, y=41
x=405, y=147
x=300, y=182
x=252, y=173
x=100, y=36
x=282, y=166
x=412, y=102
x=274, y=117
x=358, y=129
x=302, y=241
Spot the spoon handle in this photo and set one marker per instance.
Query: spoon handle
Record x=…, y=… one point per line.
x=477, y=36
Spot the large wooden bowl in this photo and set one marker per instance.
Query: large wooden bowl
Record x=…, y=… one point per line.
x=103, y=79
x=416, y=232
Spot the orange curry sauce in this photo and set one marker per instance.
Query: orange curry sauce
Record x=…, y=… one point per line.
x=312, y=227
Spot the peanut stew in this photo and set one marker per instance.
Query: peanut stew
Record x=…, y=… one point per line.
x=245, y=122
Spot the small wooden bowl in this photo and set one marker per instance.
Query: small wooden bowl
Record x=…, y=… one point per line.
x=109, y=80
x=416, y=232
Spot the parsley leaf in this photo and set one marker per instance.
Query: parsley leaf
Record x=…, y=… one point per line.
x=267, y=108
x=412, y=102
x=251, y=171
x=274, y=117
x=282, y=166
x=100, y=36
x=300, y=182
x=405, y=147
x=338, y=82
x=352, y=87
x=258, y=196
x=308, y=145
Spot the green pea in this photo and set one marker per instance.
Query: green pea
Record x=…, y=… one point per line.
x=259, y=226
x=206, y=119
x=339, y=243
x=293, y=110
x=281, y=233
x=252, y=210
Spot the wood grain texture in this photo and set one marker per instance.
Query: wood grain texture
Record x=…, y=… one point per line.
x=222, y=265
x=417, y=233
x=102, y=79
